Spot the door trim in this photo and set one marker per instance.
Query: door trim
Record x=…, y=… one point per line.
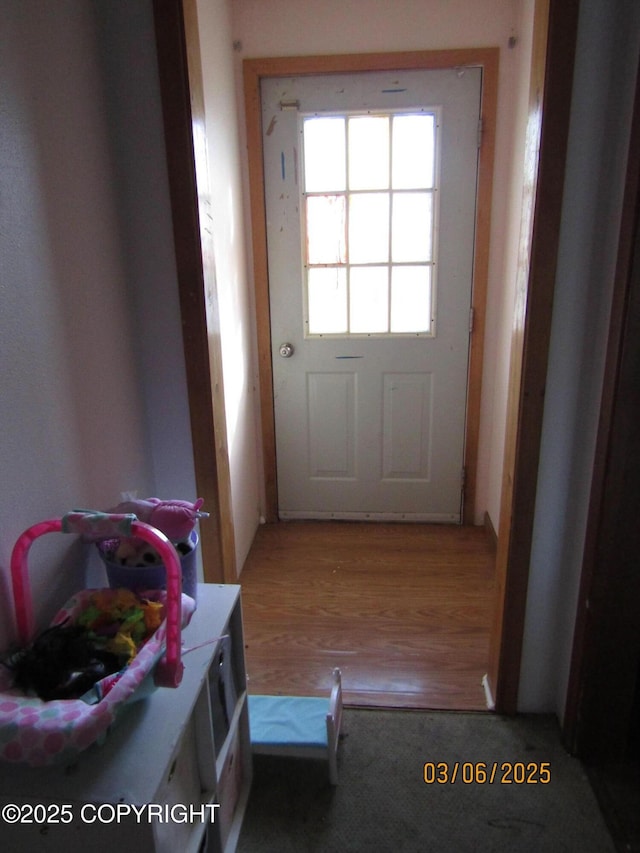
x=554, y=40
x=605, y=658
x=181, y=92
x=257, y=69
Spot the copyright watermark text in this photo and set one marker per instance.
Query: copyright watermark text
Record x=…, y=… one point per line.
x=103, y=813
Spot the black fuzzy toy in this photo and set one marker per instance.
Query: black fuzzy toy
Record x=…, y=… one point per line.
x=63, y=662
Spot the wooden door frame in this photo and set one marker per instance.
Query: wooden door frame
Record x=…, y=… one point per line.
x=606, y=648
x=255, y=70
x=554, y=40
x=552, y=71
x=603, y=696
x=182, y=97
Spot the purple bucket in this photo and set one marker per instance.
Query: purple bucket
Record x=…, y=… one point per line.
x=138, y=578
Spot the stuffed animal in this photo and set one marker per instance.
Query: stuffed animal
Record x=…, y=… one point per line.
x=176, y=519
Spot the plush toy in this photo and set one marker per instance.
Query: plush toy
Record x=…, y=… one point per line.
x=62, y=662
x=176, y=519
x=66, y=660
x=131, y=551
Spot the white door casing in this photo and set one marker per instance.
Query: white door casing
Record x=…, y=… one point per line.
x=367, y=426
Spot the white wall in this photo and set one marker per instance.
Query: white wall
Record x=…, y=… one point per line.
x=299, y=27
x=515, y=78
x=604, y=79
x=136, y=137
x=237, y=326
x=84, y=231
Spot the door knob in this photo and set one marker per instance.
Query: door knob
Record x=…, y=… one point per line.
x=286, y=350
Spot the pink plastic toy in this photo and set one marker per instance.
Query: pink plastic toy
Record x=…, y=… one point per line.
x=40, y=732
x=169, y=672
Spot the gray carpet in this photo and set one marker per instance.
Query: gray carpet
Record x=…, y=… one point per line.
x=382, y=803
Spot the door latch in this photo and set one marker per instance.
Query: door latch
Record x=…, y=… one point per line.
x=286, y=350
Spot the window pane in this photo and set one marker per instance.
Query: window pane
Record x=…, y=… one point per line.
x=324, y=154
x=413, y=151
x=412, y=227
x=327, y=301
x=411, y=299
x=369, y=153
x=369, y=299
x=326, y=219
x=369, y=228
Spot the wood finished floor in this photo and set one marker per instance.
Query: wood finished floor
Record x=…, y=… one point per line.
x=404, y=610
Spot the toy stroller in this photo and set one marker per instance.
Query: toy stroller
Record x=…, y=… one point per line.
x=38, y=733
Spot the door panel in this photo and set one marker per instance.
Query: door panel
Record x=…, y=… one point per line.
x=332, y=450
x=406, y=426
x=366, y=425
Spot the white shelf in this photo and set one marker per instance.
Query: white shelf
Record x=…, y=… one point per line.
x=161, y=751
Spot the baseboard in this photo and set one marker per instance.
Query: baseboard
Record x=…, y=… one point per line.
x=488, y=695
x=490, y=531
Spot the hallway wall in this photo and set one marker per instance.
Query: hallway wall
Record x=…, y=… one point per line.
x=300, y=27
x=237, y=324
x=606, y=65
x=92, y=392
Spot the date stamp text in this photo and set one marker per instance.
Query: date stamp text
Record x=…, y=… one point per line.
x=486, y=773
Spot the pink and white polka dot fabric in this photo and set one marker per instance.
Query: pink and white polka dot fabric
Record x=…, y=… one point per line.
x=37, y=733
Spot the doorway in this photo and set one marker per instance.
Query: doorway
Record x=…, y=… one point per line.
x=483, y=61
x=370, y=182
x=550, y=92
x=255, y=71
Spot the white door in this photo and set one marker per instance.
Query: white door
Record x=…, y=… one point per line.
x=370, y=183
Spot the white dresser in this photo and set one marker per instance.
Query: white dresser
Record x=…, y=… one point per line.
x=181, y=757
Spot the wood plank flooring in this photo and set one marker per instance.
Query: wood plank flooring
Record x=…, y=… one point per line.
x=403, y=609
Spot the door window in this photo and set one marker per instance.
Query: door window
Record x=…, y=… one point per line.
x=369, y=202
